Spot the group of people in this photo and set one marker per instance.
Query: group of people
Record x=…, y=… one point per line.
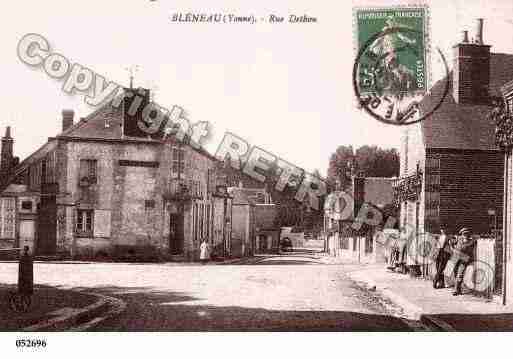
x=458, y=249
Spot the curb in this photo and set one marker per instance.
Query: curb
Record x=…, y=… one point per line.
x=84, y=318
x=436, y=323
x=411, y=311
x=249, y=260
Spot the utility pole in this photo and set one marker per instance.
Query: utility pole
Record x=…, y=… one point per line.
x=132, y=70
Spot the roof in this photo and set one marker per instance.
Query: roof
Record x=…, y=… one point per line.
x=464, y=126
x=106, y=123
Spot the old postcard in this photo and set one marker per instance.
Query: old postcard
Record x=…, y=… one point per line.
x=252, y=168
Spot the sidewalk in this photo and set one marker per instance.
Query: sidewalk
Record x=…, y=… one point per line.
x=435, y=307
x=56, y=309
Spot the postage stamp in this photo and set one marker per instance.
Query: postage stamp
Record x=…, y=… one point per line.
x=391, y=71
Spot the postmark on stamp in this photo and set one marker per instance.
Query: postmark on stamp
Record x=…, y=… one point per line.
x=391, y=71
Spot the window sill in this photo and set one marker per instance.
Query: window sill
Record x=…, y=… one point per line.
x=84, y=234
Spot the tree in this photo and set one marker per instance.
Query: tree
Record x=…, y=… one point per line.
x=339, y=169
x=372, y=161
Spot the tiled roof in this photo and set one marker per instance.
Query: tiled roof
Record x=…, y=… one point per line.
x=462, y=126
x=103, y=124
x=106, y=123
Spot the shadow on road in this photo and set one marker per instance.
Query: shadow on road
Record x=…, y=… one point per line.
x=473, y=322
x=157, y=310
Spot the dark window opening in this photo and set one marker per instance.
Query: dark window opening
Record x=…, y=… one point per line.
x=26, y=205
x=88, y=171
x=85, y=222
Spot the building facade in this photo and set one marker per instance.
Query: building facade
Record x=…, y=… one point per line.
x=344, y=212
x=451, y=167
x=97, y=188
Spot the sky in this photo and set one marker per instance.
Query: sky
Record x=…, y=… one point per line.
x=283, y=87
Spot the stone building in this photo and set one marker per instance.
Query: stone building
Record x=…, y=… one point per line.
x=8, y=162
x=255, y=221
x=101, y=188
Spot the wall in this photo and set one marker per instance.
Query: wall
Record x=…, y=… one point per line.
x=412, y=153
x=240, y=221
x=412, y=150
x=353, y=249
x=378, y=191
x=508, y=230
x=471, y=183
x=120, y=191
x=265, y=216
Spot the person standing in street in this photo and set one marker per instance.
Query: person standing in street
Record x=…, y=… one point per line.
x=204, y=251
x=442, y=258
x=463, y=255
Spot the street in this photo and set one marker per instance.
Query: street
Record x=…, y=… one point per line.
x=289, y=292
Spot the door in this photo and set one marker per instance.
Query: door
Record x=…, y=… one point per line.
x=176, y=233
x=47, y=226
x=27, y=231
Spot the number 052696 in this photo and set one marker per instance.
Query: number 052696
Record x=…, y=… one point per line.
x=30, y=343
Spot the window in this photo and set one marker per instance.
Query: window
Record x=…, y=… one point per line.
x=85, y=221
x=201, y=216
x=208, y=221
x=149, y=204
x=178, y=159
x=88, y=171
x=368, y=244
x=43, y=171
x=26, y=205
x=7, y=218
x=509, y=104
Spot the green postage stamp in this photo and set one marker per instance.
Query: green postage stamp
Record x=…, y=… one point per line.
x=391, y=70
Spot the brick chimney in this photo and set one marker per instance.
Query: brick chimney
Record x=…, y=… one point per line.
x=67, y=119
x=471, y=70
x=133, y=104
x=6, y=155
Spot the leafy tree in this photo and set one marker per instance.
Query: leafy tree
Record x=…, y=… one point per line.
x=372, y=161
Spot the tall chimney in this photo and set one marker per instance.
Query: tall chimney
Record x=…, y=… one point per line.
x=464, y=37
x=479, y=32
x=471, y=69
x=6, y=155
x=133, y=106
x=67, y=119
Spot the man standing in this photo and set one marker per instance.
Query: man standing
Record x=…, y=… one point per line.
x=443, y=256
x=463, y=255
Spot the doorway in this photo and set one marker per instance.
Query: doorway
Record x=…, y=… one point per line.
x=176, y=233
x=27, y=231
x=47, y=226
